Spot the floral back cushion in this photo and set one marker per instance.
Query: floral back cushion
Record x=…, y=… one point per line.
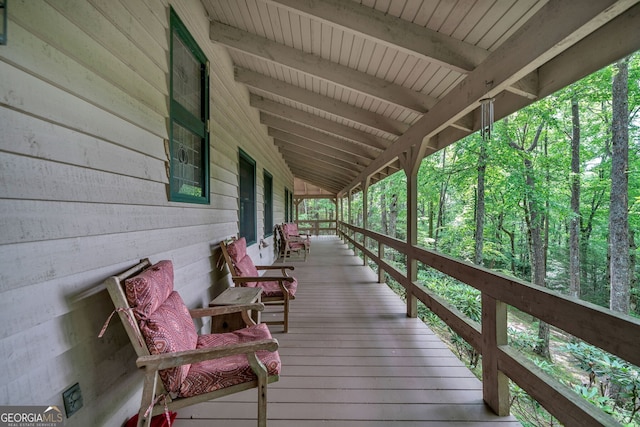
x=167, y=330
x=149, y=289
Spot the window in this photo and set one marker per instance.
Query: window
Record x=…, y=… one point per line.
x=247, y=174
x=288, y=205
x=287, y=218
x=268, y=203
x=291, y=218
x=189, y=118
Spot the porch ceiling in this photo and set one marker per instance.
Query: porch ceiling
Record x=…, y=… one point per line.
x=346, y=87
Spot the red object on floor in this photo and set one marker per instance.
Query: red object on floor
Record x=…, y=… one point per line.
x=159, y=420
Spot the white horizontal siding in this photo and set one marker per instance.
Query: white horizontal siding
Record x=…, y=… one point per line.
x=83, y=190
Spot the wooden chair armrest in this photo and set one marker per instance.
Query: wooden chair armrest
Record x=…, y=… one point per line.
x=178, y=358
x=279, y=279
x=243, y=279
x=226, y=309
x=275, y=267
x=298, y=238
x=283, y=268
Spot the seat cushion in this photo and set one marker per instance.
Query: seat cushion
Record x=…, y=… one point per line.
x=296, y=246
x=167, y=330
x=272, y=288
x=211, y=375
x=149, y=289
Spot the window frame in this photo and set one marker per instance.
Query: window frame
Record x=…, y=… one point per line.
x=286, y=204
x=267, y=216
x=179, y=115
x=253, y=223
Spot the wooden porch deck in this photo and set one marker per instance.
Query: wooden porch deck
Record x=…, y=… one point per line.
x=353, y=359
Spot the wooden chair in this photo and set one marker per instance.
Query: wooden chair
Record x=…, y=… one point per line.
x=276, y=290
x=192, y=368
x=291, y=229
x=291, y=242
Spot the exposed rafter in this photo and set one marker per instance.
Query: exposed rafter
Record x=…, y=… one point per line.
x=328, y=126
x=322, y=68
x=394, y=32
x=318, y=137
x=336, y=80
x=298, y=153
x=397, y=33
x=332, y=106
x=333, y=150
x=555, y=28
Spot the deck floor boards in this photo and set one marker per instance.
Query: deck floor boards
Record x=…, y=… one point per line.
x=353, y=359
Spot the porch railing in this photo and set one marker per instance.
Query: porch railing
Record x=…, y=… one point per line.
x=318, y=227
x=612, y=332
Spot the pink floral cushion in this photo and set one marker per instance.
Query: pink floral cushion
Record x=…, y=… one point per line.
x=237, y=249
x=290, y=229
x=272, y=289
x=211, y=375
x=169, y=329
x=246, y=268
x=294, y=246
x=146, y=291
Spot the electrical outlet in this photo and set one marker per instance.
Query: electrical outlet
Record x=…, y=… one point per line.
x=72, y=398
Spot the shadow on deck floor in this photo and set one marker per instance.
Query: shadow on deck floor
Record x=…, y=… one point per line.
x=353, y=359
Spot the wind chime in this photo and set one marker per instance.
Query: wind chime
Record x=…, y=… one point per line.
x=486, y=115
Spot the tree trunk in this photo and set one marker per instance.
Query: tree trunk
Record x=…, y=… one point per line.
x=574, y=223
x=633, y=282
x=383, y=208
x=431, y=218
x=441, y=201
x=538, y=268
x=393, y=215
x=534, y=217
x=618, y=211
x=480, y=204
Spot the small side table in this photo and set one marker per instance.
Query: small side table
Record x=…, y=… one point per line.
x=233, y=296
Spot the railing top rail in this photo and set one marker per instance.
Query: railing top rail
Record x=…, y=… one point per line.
x=614, y=332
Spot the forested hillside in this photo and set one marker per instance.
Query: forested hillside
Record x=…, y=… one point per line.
x=553, y=197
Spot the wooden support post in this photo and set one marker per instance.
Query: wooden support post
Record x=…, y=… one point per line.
x=335, y=215
x=412, y=303
x=495, y=385
x=410, y=162
x=380, y=256
x=349, y=211
x=365, y=215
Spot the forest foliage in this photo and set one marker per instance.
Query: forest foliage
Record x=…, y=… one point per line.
x=448, y=183
x=528, y=182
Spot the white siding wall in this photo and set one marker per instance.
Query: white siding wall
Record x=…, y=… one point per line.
x=83, y=190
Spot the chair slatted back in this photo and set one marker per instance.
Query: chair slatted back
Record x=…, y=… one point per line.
x=115, y=286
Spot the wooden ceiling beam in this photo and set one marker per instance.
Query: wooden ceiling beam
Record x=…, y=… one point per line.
x=556, y=27
x=394, y=32
x=319, y=67
x=401, y=34
x=290, y=147
x=307, y=168
x=527, y=86
x=333, y=151
x=320, y=102
x=317, y=136
x=343, y=131
x=318, y=178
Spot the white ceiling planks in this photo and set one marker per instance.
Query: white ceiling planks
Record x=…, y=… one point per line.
x=368, y=73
